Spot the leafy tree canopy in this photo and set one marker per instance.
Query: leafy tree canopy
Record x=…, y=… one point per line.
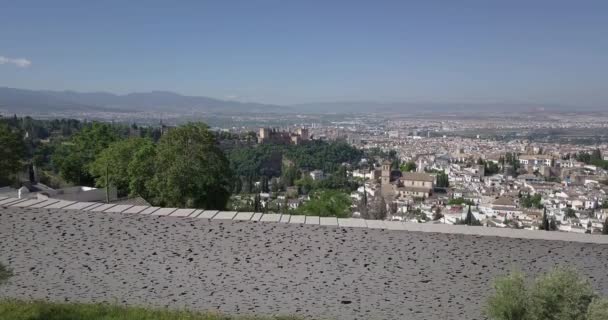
x=114, y=161
x=191, y=170
x=12, y=152
x=327, y=203
x=74, y=157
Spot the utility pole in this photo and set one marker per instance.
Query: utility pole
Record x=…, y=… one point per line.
x=107, y=184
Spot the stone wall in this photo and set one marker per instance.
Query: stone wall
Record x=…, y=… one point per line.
x=247, y=267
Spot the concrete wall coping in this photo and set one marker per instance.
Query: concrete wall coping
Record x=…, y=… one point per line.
x=330, y=222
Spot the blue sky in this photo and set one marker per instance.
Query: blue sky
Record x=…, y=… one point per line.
x=281, y=51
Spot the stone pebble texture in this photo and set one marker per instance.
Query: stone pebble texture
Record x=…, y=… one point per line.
x=267, y=268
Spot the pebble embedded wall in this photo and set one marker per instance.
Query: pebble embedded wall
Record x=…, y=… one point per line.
x=246, y=267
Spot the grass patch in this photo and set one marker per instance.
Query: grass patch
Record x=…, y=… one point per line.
x=38, y=310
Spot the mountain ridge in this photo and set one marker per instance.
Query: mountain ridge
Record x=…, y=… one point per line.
x=25, y=100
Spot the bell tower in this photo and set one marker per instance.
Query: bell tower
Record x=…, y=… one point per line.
x=386, y=172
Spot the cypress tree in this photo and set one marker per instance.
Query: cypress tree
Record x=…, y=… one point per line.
x=469, y=218
x=545, y=223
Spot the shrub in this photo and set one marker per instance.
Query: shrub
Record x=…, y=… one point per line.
x=510, y=302
x=598, y=309
x=560, y=295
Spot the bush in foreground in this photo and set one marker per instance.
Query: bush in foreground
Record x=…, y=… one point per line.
x=19, y=310
x=598, y=309
x=560, y=294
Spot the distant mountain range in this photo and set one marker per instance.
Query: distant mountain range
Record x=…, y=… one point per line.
x=43, y=101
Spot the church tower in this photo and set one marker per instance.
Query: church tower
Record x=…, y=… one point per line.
x=386, y=172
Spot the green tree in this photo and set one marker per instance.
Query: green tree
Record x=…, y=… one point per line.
x=469, y=219
x=141, y=171
x=552, y=224
x=327, y=203
x=257, y=203
x=274, y=185
x=191, y=170
x=12, y=152
x=289, y=175
x=460, y=201
x=605, y=226
x=408, y=166
x=545, y=223
x=238, y=185
x=569, y=213
x=264, y=184
x=306, y=184
x=598, y=309
x=114, y=162
x=73, y=158
x=443, y=180
x=534, y=201
x=491, y=168
x=510, y=299
x=560, y=294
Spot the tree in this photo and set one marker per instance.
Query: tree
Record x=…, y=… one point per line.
x=534, y=201
x=460, y=201
x=5, y=273
x=605, y=226
x=327, y=203
x=552, y=224
x=442, y=180
x=306, y=184
x=274, y=185
x=141, y=171
x=491, y=168
x=437, y=214
x=374, y=209
x=238, y=185
x=114, y=161
x=380, y=211
x=510, y=300
x=408, y=166
x=468, y=220
x=12, y=152
x=257, y=203
x=545, y=223
x=569, y=213
x=596, y=155
x=289, y=175
x=73, y=158
x=191, y=170
x=264, y=184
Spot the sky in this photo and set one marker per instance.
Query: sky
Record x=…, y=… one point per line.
x=290, y=52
